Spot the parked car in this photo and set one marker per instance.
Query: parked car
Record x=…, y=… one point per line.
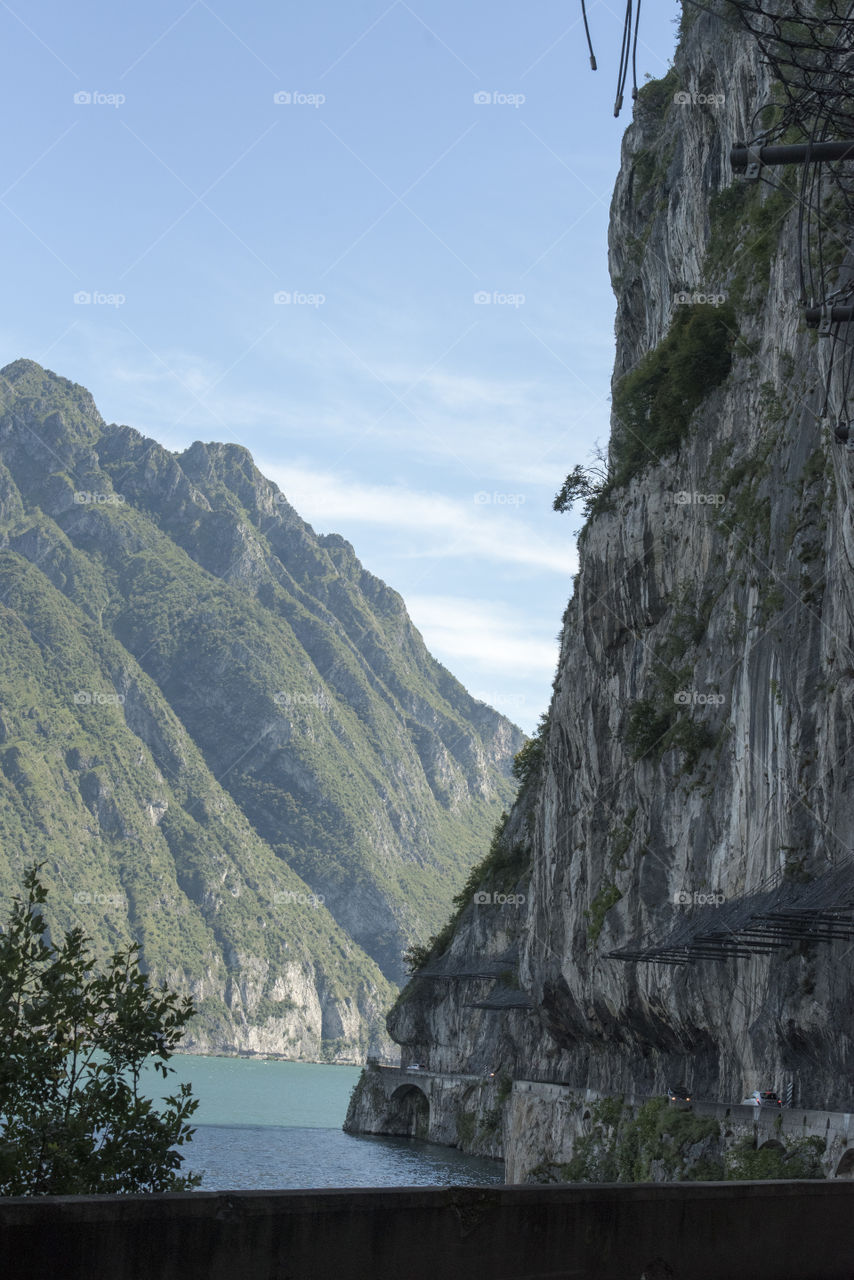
x=762, y=1098
x=679, y=1097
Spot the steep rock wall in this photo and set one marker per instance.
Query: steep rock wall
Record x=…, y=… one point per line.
x=699, y=737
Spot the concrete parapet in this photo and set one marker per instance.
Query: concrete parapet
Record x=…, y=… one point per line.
x=684, y=1231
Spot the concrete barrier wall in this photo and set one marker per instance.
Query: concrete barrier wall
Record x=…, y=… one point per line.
x=687, y=1231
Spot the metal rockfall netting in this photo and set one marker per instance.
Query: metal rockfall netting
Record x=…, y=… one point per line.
x=776, y=915
x=809, y=50
x=808, y=47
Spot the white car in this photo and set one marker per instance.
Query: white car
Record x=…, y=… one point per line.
x=762, y=1098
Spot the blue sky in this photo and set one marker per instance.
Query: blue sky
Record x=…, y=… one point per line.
x=428, y=201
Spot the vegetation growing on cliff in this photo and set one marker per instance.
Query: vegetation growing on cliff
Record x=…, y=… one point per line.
x=666, y=718
x=626, y=1146
x=201, y=698
x=653, y=403
x=800, y=1158
x=528, y=762
x=501, y=869
x=606, y=897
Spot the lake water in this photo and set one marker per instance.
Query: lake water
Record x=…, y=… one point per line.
x=263, y=1125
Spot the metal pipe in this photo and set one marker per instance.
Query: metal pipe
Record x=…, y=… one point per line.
x=835, y=315
x=791, y=153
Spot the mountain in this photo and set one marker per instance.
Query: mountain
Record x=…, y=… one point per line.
x=222, y=735
x=696, y=752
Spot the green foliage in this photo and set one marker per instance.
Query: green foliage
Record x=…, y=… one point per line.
x=745, y=221
x=505, y=1087
x=582, y=484
x=647, y=728
x=74, y=1042
x=621, y=837
x=653, y=403
x=415, y=957
x=661, y=722
x=466, y=1124
x=771, y=601
x=500, y=870
x=746, y=513
x=258, y=683
x=655, y=727
x=623, y=1146
x=607, y=897
x=607, y=1111
x=800, y=1159
x=656, y=96
x=491, y=1120
x=528, y=762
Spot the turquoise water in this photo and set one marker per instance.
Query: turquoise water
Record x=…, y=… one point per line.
x=262, y=1125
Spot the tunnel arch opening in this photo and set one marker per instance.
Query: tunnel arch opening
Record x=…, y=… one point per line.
x=409, y=1112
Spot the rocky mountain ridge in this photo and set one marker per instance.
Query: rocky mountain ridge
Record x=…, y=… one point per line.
x=221, y=733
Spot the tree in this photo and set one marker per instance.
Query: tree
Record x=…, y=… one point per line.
x=528, y=762
x=72, y=1046
x=585, y=483
x=578, y=484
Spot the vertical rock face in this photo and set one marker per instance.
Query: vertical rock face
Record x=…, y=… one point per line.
x=700, y=734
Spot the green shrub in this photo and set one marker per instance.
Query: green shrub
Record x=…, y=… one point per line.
x=528, y=762
x=647, y=728
x=801, y=1159
x=653, y=403
x=607, y=897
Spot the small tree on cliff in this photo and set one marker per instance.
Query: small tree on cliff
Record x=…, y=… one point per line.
x=72, y=1046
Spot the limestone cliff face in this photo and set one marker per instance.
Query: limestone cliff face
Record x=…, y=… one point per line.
x=700, y=732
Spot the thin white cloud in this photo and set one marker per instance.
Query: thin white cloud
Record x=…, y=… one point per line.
x=490, y=525
x=498, y=639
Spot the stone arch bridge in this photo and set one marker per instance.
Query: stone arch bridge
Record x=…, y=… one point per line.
x=438, y=1107
x=410, y=1102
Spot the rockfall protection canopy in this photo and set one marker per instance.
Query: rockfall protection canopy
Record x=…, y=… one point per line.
x=778, y=913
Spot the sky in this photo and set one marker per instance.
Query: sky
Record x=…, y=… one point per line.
x=366, y=241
